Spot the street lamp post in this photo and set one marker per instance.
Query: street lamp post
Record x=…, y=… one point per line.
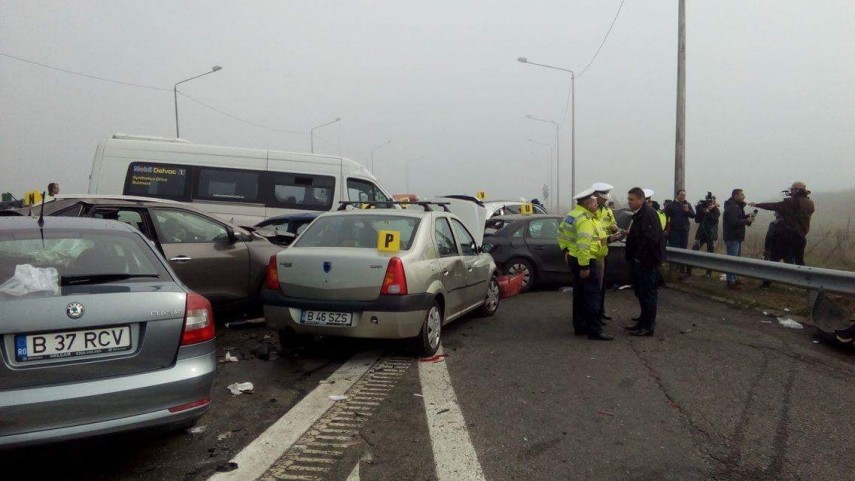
x=312, y=132
x=549, y=163
x=557, y=159
x=375, y=148
x=215, y=68
x=572, y=121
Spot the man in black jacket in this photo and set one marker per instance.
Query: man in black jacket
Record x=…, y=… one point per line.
x=733, y=228
x=645, y=251
x=707, y=216
x=678, y=213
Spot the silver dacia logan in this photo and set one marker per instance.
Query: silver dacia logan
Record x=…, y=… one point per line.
x=380, y=273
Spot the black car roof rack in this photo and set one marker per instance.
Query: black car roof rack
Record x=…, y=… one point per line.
x=386, y=204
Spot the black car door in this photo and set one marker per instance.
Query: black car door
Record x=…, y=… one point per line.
x=541, y=238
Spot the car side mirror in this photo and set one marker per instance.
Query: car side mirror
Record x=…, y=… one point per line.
x=232, y=237
x=486, y=248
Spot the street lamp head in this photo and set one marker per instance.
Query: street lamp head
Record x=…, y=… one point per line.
x=215, y=68
x=522, y=59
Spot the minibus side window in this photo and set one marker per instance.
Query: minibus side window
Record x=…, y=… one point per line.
x=163, y=181
x=364, y=191
x=228, y=185
x=302, y=191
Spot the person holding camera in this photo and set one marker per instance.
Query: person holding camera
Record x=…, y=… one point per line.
x=707, y=215
x=794, y=225
x=678, y=212
x=735, y=221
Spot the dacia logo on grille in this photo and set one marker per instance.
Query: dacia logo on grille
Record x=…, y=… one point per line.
x=74, y=310
x=327, y=266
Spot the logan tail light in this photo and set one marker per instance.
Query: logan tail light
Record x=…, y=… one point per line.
x=271, y=278
x=395, y=282
x=198, y=320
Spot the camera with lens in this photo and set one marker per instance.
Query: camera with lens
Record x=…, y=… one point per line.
x=707, y=202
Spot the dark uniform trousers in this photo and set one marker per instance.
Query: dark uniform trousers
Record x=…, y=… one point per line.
x=586, y=298
x=645, y=283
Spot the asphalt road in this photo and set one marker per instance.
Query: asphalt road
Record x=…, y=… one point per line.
x=717, y=394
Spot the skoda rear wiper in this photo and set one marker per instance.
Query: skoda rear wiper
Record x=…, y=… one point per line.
x=100, y=278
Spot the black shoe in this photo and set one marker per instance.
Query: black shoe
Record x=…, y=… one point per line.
x=642, y=332
x=636, y=319
x=600, y=336
x=605, y=317
x=633, y=327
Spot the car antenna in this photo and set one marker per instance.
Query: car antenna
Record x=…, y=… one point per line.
x=42, y=221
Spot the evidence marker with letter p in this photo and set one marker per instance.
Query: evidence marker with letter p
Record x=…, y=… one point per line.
x=389, y=241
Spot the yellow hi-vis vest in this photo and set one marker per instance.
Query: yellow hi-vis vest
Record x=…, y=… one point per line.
x=579, y=234
x=606, y=218
x=662, y=219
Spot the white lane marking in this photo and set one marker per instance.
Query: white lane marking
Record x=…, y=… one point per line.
x=266, y=449
x=354, y=475
x=453, y=453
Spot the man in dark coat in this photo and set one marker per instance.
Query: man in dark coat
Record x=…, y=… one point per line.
x=733, y=230
x=645, y=251
x=707, y=215
x=792, y=230
x=678, y=214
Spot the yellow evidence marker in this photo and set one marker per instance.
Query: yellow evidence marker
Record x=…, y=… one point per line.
x=526, y=209
x=480, y=195
x=389, y=241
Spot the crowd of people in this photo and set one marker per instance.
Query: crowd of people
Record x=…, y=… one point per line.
x=586, y=231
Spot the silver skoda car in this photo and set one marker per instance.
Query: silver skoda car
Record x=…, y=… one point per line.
x=97, y=335
x=380, y=273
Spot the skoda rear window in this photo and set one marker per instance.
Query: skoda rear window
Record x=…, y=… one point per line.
x=77, y=257
x=163, y=181
x=361, y=231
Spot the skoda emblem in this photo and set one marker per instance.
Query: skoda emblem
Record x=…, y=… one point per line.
x=327, y=266
x=74, y=310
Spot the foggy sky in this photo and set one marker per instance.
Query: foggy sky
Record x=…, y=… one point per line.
x=769, y=89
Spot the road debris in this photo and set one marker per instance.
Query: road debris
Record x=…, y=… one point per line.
x=225, y=468
x=604, y=413
x=338, y=397
x=624, y=287
x=787, y=322
x=239, y=388
x=437, y=358
x=229, y=358
x=197, y=429
x=224, y=436
x=418, y=395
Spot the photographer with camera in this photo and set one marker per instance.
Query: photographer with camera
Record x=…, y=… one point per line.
x=707, y=215
x=735, y=220
x=792, y=230
x=678, y=212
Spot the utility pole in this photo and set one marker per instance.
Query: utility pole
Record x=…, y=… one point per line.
x=680, y=149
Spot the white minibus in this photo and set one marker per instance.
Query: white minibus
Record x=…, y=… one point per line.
x=240, y=185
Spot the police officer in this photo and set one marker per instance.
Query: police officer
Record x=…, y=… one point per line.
x=579, y=238
x=610, y=233
x=648, y=197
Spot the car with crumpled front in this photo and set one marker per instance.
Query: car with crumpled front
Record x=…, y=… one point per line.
x=223, y=262
x=97, y=334
x=340, y=278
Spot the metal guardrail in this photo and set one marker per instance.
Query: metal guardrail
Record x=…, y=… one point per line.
x=815, y=278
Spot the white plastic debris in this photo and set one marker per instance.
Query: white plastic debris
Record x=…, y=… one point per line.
x=765, y=313
x=787, y=322
x=722, y=277
x=764, y=321
x=224, y=436
x=625, y=286
x=197, y=429
x=229, y=357
x=786, y=309
x=338, y=397
x=239, y=388
x=29, y=279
